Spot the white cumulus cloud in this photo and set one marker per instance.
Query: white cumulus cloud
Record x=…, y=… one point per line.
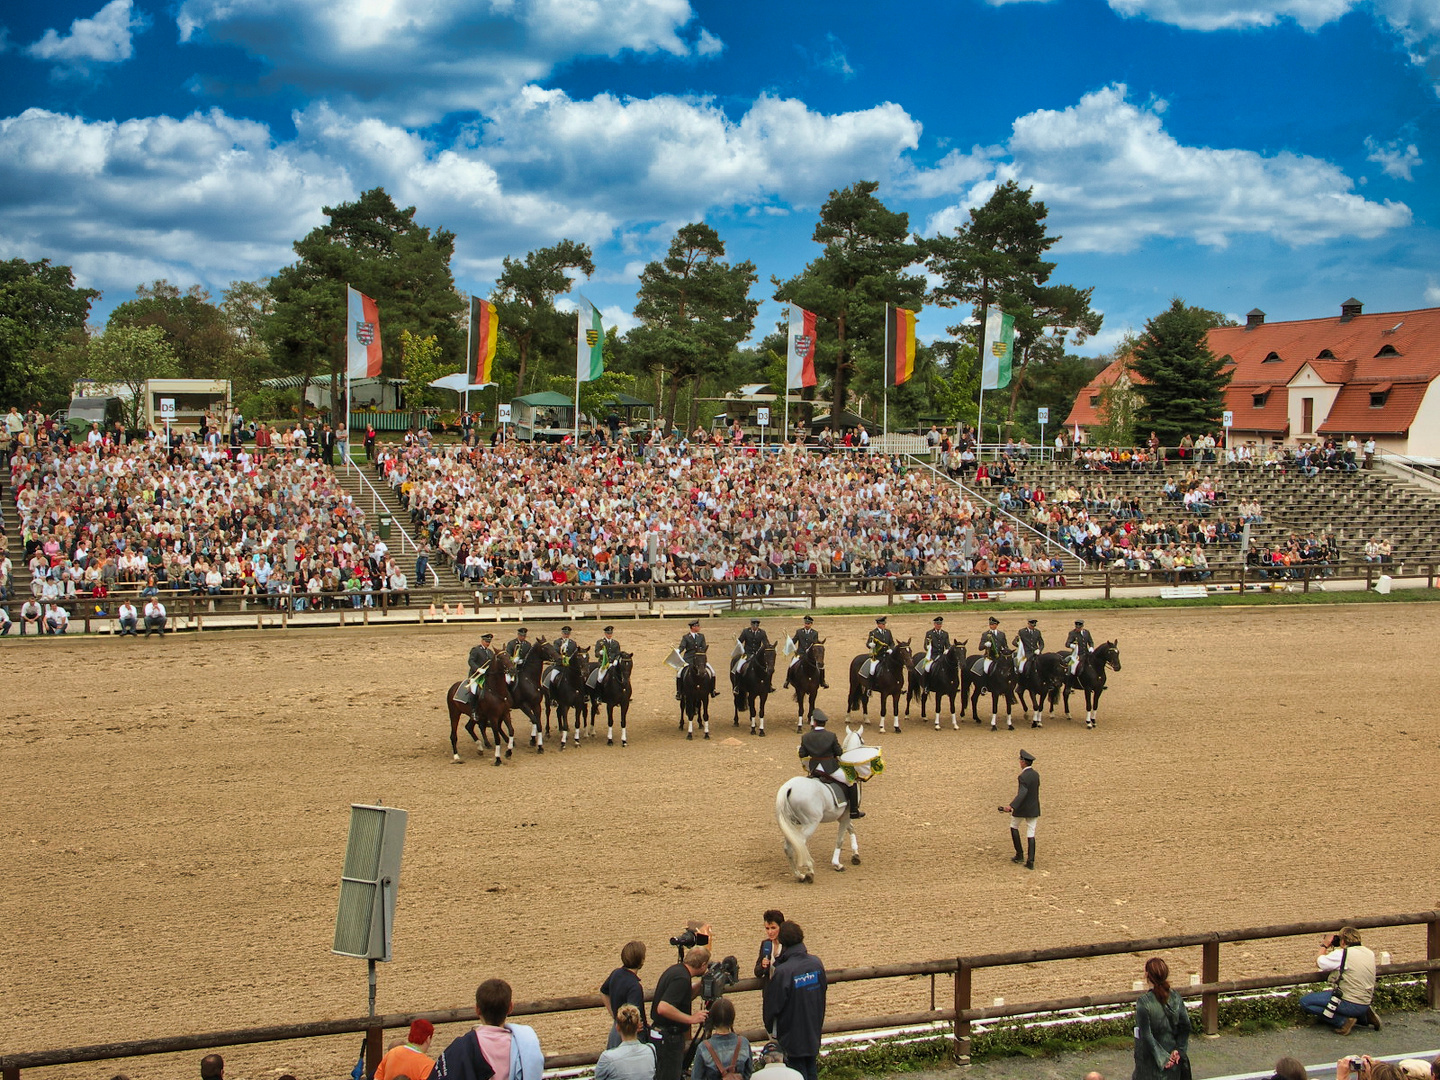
x=1113, y=179
x=1397, y=159
x=105, y=38
x=418, y=60
x=1234, y=14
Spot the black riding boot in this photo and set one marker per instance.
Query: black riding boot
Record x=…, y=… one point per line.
x=852, y=794
x=1019, y=851
x=823, y=683
x=1030, y=859
x=677, y=691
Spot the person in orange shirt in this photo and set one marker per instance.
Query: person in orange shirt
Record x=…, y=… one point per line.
x=412, y=1058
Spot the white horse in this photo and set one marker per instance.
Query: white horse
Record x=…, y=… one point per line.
x=803, y=804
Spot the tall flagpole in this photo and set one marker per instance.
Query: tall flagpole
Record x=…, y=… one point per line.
x=579, y=340
x=789, y=315
x=980, y=416
x=345, y=411
x=469, y=353
x=888, y=370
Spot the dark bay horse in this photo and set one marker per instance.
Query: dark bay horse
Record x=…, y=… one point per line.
x=1039, y=680
x=888, y=680
x=565, y=690
x=525, y=692
x=489, y=710
x=752, y=687
x=1090, y=678
x=998, y=681
x=615, y=693
x=697, y=684
x=943, y=680
x=805, y=678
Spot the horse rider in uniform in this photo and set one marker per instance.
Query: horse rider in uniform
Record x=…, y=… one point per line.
x=753, y=643
x=569, y=649
x=936, y=642
x=823, y=750
x=607, y=653
x=1029, y=642
x=479, y=661
x=691, y=646
x=518, y=648
x=992, y=645
x=1079, y=642
x=807, y=637
x=879, y=642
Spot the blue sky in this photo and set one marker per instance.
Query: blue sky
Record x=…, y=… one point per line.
x=1278, y=153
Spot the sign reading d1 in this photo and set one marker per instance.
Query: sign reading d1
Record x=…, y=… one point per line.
x=762, y=416
x=1228, y=419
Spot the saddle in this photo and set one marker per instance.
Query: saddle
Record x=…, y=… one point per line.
x=841, y=789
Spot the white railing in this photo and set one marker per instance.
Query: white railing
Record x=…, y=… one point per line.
x=379, y=505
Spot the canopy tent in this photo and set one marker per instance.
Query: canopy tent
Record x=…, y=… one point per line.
x=847, y=420
x=545, y=399
x=459, y=382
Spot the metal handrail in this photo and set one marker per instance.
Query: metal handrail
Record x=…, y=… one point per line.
x=376, y=501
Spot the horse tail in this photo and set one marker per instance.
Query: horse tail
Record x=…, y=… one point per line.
x=787, y=819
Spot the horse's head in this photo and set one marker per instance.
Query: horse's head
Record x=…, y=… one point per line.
x=547, y=652
x=1005, y=664
x=1109, y=653
x=817, y=653
x=503, y=662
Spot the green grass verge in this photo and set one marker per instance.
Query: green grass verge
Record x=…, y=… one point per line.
x=1237, y=1017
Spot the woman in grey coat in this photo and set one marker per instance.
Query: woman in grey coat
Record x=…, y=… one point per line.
x=1162, y=1028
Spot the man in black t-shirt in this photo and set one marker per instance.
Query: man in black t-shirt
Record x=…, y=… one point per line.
x=670, y=1015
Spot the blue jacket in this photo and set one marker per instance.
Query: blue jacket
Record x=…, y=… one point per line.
x=795, y=1002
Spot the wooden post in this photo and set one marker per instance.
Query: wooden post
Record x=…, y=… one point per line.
x=814, y=593
x=1369, y=578
x=1209, y=973
x=1107, y=583
x=12, y=1073
x=734, y=598
x=374, y=1049
x=961, y=1049
x=1432, y=952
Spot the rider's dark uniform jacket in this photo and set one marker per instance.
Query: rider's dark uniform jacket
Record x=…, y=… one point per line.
x=754, y=640
x=881, y=635
x=936, y=642
x=607, y=649
x=478, y=658
x=690, y=644
x=1080, y=634
x=1033, y=639
x=567, y=647
x=518, y=649
x=992, y=643
x=822, y=748
x=806, y=636
x=795, y=1001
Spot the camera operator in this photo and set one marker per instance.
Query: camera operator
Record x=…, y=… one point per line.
x=670, y=1015
x=1351, y=968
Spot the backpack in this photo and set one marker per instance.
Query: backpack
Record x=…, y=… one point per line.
x=727, y=1072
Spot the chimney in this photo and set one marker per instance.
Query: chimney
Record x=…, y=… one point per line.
x=1349, y=309
x=1253, y=318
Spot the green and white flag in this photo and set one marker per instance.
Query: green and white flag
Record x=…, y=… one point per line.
x=590, y=343
x=999, y=348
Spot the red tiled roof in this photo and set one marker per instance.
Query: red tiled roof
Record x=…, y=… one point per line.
x=1082, y=412
x=1272, y=418
x=1352, y=412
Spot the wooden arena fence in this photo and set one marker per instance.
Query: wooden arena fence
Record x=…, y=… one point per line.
x=961, y=1013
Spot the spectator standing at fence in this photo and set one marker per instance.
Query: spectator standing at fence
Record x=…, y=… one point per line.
x=1350, y=967
x=1162, y=1027
x=671, y=1016
x=495, y=1048
x=622, y=987
x=1024, y=810
x=632, y=1058
x=411, y=1059
x=795, y=1001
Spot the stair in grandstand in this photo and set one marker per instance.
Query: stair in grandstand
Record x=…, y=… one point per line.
x=1074, y=568
x=19, y=572
x=1352, y=506
x=378, y=498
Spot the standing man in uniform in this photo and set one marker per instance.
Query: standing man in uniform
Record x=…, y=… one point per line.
x=692, y=645
x=936, y=642
x=1024, y=810
x=992, y=644
x=753, y=643
x=823, y=750
x=805, y=638
x=1029, y=643
x=1079, y=642
x=879, y=641
x=794, y=1005
x=607, y=653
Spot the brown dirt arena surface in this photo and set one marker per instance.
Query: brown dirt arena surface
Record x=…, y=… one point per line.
x=173, y=815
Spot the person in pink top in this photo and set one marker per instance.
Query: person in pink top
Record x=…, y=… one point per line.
x=495, y=1050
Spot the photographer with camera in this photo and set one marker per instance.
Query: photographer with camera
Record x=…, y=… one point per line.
x=795, y=1001
x=670, y=1015
x=724, y=1055
x=1364, y=1067
x=1351, y=968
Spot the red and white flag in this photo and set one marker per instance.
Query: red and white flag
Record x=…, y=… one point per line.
x=362, y=336
x=800, y=356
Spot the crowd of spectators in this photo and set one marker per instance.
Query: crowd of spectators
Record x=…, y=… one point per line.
x=107, y=519
x=689, y=517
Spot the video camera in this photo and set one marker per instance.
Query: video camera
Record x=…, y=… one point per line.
x=693, y=935
x=717, y=978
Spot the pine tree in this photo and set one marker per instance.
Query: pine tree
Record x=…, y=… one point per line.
x=1180, y=380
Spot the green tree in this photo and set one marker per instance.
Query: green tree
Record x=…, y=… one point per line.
x=130, y=356
x=1180, y=380
x=195, y=328
x=424, y=362
x=997, y=257
x=862, y=269
x=525, y=298
x=380, y=250
x=40, y=310
x=694, y=309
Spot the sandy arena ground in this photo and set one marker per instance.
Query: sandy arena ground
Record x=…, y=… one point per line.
x=173, y=815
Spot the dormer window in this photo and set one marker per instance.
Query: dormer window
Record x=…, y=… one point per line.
x=1387, y=350
x=1094, y=401
x=1260, y=399
x=1325, y=354
x=1377, y=398
x=1271, y=358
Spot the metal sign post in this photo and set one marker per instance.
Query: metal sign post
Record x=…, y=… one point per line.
x=167, y=414
x=502, y=417
x=1042, y=413
x=1228, y=419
